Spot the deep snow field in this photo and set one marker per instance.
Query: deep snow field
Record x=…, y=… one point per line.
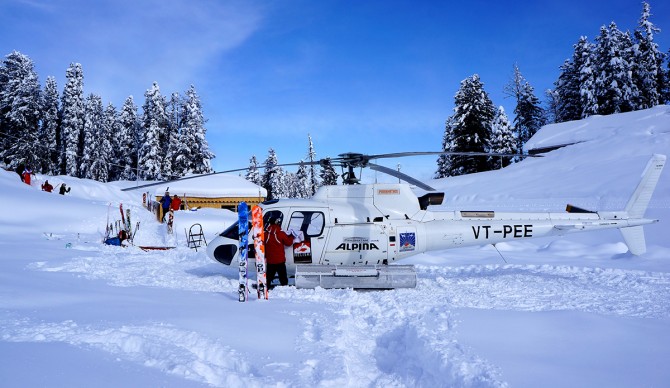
x=576, y=311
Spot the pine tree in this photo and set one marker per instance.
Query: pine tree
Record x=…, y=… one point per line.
x=575, y=87
x=529, y=114
x=300, y=187
x=193, y=140
x=269, y=177
x=551, y=111
x=20, y=110
x=471, y=129
x=94, y=162
x=615, y=89
x=253, y=175
x=328, y=174
x=112, y=144
x=503, y=140
x=49, y=129
x=568, y=100
x=444, y=160
x=292, y=185
x=648, y=61
x=171, y=168
x=72, y=119
x=154, y=122
x=312, y=176
x=128, y=140
x=586, y=78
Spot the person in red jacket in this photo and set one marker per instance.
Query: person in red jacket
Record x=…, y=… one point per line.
x=176, y=203
x=46, y=186
x=26, y=176
x=275, y=240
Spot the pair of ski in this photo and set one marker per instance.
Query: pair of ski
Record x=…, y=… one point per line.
x=125, y=223
x=243, y=229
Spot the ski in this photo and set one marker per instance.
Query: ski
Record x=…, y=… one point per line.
x=259, y=247
x=123, y=216
x=170, y=222
x=243, y=229
x=128, y=224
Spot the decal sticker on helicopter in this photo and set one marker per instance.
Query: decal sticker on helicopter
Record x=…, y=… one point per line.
x=388, y=192
x=357, y=244
x=302, y=252
x=515, y=231
x=407, y=242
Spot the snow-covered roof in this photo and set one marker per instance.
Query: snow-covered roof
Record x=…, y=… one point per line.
x=212, y=186
x=597, y=127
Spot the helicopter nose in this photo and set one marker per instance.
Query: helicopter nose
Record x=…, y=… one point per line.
x=222, y=250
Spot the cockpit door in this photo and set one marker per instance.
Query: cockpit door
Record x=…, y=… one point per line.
x=311, y=223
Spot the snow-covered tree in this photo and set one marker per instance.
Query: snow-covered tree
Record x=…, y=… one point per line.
x=444, y=160
x=96, y=147
x=312, y=176
x=503, y=140
x=194, y=147
x=566, y=92
x=72, y=119
x=112, y=144
x=529, y=115
x=253, y=175
x=154, y=123
x=615, y=89
x=49, y=129
x=128, y=140
x=272, y=175
x=551, y=110
x=470, y=128
x=20, y=110
x=647, y=62
x=171, y=168
x=298, y=183
x=328, y=174
x=575, y=88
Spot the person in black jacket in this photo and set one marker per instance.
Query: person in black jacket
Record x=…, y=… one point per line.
x=63, y=189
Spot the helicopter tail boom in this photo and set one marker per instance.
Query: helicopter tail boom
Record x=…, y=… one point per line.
x=638, y=203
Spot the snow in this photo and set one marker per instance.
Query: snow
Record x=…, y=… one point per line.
x=218, y=185
x=574, y=311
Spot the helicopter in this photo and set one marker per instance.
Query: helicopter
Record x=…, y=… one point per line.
x=351, y=233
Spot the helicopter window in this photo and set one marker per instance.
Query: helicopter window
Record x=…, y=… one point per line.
x=233, y=231
x=311, y=223
x=272, y=216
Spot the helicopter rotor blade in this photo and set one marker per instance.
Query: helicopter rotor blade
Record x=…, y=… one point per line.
x=400, y=175
x=214, y=173
x=427, y=153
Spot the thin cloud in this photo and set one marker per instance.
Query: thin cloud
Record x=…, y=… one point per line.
x=125, y=45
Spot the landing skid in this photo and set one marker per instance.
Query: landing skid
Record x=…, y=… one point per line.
x=355, y=276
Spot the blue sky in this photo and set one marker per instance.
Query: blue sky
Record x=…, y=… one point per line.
x=361, y=76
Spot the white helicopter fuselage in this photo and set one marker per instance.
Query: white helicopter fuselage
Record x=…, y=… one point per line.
x=383, y=223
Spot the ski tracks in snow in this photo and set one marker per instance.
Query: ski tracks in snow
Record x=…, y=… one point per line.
x=550, y=288
x=398, y=338
x=174, y=351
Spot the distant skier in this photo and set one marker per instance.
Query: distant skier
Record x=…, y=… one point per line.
x=275, y=240
x=19, y=170
x=63, y=189
x=176, y=203
x=165, y=204
x=46, y=186
x=26, y=176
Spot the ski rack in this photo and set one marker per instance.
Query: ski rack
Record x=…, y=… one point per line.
x=355, y=276
x=195, y=238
